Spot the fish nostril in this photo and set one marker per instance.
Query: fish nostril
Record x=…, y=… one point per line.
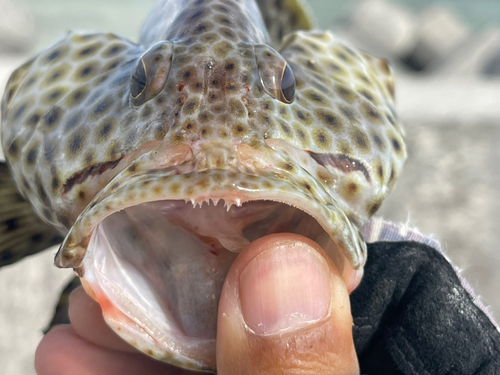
x=180, y=86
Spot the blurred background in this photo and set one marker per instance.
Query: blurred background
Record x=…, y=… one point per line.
x=447, y=60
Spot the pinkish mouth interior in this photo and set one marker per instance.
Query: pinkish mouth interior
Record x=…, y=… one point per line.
x=157, y=269
x=170, y=259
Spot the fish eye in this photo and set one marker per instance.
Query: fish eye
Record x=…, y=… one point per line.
x=150, y=73
x=287, y=85
x=139, y=80
x=276, y=76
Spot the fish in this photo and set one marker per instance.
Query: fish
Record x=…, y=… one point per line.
x=156, y=162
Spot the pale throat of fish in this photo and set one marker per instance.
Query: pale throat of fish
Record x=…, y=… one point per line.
x=157, y=268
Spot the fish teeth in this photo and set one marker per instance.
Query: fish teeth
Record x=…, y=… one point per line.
x=215, y=201
x=238, y=202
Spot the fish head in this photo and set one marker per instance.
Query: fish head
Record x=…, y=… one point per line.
x=164, y=160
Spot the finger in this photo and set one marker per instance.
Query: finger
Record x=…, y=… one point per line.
x=87, y=320
x=62, y=351
x=284, y=308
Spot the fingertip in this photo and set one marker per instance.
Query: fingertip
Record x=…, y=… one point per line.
x=86, y=317
x=62, y=351
x=285, y=307
x=48, y=358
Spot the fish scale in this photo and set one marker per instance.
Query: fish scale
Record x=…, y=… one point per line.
x=197, y=111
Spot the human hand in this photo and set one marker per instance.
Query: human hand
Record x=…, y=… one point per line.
x=284, y=308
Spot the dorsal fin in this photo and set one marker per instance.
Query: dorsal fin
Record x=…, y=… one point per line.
x=284, y=16
x=22, y=232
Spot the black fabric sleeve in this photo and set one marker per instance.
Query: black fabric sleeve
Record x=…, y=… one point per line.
x=412, y=316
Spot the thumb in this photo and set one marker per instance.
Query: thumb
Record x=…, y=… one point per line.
x=284, y=309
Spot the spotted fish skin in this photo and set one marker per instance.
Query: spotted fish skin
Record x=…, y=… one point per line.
x=201, y=110
x=69, y=126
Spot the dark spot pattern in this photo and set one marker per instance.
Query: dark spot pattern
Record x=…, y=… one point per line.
x=32, y=155
x=53, y=117
x=77, y=106
x=76, y=143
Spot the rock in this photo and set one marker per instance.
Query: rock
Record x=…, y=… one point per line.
x=16, y=28
x=382, y=28
x=439, y=34
x=492, y=68
x=475, y=56
x=448, y=101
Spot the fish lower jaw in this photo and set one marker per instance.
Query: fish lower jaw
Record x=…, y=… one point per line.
x=157, y=268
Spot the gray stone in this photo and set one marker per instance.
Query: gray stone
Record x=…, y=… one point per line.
x=492, y=67
x=440, y=100
x=440, y=32
x=16, y=28
x=382, y=29
x=475, y=56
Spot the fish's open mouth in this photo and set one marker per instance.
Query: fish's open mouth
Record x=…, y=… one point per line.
x=158, y=268
x=156, y=251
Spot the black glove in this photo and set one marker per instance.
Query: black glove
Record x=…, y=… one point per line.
x=413, y=316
